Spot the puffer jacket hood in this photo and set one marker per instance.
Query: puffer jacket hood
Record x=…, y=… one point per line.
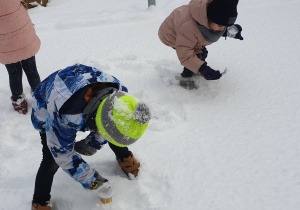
x=198, y=11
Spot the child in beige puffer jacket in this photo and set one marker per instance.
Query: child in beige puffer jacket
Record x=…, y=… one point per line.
x=189, y=28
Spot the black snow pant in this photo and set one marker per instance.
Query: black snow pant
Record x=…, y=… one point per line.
x=48, y=168
x=15, y=76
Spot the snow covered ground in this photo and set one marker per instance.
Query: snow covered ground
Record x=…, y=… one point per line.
x=233, y=144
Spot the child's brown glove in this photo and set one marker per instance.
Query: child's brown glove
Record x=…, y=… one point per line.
x=130, y=166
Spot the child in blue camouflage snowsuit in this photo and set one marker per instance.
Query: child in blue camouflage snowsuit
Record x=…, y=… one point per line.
x=78, y=98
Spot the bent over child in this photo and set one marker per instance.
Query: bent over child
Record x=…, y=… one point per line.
x=190, y=28
x=83, y=98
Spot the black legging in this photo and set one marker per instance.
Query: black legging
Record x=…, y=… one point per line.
x=15, y=76
x=45, y=174
x=48, y=168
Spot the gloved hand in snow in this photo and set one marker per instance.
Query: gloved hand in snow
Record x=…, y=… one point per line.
x=209, y=73
x=90, y=144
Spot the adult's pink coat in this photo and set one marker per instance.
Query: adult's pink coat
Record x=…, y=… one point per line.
x=180, y=31
x=18, y=40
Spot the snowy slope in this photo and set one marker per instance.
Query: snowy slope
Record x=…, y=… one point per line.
x=233, y=144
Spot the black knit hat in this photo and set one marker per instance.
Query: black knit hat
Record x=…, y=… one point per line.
x=222, y=12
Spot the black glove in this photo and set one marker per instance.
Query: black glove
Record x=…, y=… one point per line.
x=84, y=148
x=98, y=182
x=239, y=34
x=202, y=56
x=234, y=31
x=209, y=73
x=90, y=144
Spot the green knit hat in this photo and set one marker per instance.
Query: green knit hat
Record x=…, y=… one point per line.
x=122, y=119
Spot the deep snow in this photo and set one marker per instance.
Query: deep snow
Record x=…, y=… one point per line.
x=233, y=144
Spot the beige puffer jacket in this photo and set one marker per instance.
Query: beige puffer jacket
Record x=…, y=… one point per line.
x=18, y=40
x=180, y=31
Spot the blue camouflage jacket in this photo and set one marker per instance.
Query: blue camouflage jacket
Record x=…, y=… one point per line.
x=50, y=95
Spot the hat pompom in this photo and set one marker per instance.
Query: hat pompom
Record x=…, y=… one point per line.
x=142, y=113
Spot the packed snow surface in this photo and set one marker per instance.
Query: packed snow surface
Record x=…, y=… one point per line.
x=233, y=144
